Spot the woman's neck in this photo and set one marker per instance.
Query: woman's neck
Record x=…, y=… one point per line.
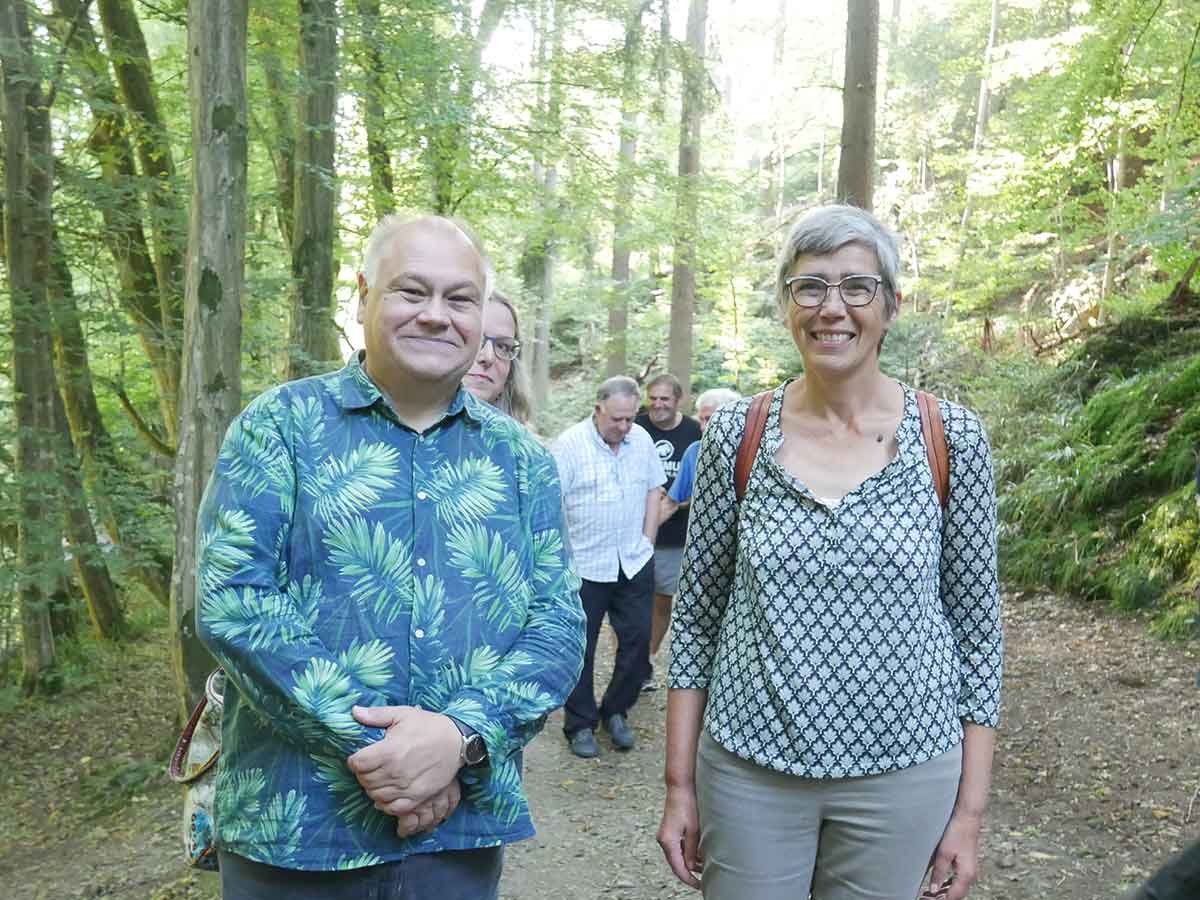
x=864, y=394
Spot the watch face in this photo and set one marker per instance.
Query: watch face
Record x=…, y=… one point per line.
x=475, y=750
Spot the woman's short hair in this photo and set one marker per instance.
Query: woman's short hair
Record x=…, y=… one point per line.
x=516, y=398
x=828, y=229
x=383, y=233
x=716, y=397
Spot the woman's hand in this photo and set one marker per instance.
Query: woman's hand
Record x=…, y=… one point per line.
x=957, y=856
x=679, y=835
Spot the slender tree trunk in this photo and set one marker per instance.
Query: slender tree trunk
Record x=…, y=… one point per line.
x=379, y=159
x=213, y=321
x=102, y=470
x=140, y=294
x=448, y=140
x=893, y=41
x=618, y=310
x=313, y=342
x=778, y=112
x=538, y=259
x=91, y=569
x=856, y=166
x=683, y=278
x=283, y=149
x=27, y=183
x=131, y=62
x=981, y=120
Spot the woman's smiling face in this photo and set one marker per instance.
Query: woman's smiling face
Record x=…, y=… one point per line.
x=835, y=337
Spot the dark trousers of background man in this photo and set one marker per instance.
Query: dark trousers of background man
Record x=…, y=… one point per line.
x=627, y=603
x=1178, y=879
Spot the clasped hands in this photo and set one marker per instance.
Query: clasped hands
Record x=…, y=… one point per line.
x=411, y=773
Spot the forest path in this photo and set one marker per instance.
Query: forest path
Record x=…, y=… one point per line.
x=1097, y=779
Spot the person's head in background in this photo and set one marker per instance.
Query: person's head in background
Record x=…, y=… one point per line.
x=498, y=375
x=663, y=393
x=712, y=400
x=616, y=408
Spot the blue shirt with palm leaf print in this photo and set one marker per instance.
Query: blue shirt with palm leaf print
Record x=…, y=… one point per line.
x=346, y=559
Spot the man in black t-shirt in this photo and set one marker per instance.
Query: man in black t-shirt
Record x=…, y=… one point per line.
x=672, y=433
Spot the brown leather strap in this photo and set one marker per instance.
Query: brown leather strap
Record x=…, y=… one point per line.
x=935, y=445
x=756, y=423
x=185, y=741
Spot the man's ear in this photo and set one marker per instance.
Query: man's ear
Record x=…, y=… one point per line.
x=362, y=297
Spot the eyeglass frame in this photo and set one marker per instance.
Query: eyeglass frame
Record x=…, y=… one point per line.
x=496, y=347
x=788, y=282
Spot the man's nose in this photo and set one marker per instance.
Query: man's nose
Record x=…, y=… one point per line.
x=434, y=311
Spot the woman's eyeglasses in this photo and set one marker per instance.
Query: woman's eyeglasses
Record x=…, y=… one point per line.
x=505, y=348
x=810, y=291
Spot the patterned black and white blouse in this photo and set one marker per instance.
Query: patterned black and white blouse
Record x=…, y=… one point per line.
x=844, y=640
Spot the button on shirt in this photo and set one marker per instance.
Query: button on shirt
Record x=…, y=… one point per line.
x=604, y=498
x=841, y=641
x=344, y=559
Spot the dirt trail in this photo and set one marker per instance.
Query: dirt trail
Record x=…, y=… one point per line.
x=1097, y=778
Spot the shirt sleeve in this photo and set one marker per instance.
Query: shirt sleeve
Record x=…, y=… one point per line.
x=259, y=626
x=681, y=487
x=509, y=703
x=970, y=587
x=709, y=555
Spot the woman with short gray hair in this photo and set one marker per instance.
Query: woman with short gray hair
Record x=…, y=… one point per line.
x=837, y=648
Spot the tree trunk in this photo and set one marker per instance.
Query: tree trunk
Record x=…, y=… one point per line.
x=981, y=120
x=448, y=142
x=103, y=473
x=856, y=166
x=379, y=158
x=212, y=330
x=27, y=185
x=283, y=153
x=683, y=278
x=893, y=41
x=538, y=259
x=131, y=63
x=313, y=340
x=140, y=293
x=618, y=310
x=91, y=569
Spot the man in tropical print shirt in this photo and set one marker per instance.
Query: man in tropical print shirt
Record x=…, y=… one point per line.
x=382, y=576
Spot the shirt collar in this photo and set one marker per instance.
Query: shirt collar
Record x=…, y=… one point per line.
x=599, y=440
x=360, y=392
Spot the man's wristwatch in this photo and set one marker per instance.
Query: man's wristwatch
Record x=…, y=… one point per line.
x=473, y=752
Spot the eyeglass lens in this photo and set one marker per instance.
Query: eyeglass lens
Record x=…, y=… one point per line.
x=856, y=290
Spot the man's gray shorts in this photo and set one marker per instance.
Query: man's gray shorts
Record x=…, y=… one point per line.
x=667, y=561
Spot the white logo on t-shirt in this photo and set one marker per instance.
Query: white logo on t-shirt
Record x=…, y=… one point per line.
x=665, y=449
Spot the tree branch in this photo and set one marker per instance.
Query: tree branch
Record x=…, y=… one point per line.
x=139, y=424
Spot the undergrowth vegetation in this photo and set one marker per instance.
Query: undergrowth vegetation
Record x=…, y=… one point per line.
x=1095, y=461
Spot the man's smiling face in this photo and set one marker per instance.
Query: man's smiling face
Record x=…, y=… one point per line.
x=422, y=319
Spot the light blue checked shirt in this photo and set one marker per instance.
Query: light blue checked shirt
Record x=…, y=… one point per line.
x=604, y=498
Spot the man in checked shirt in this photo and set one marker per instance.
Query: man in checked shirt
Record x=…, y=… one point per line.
x=611, y=479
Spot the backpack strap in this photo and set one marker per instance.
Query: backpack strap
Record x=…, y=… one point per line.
x=935, y=445
x=932, y=428
x=756, y=423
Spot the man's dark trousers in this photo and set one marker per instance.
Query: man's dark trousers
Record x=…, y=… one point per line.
x=1178, y=879
x=627, y=601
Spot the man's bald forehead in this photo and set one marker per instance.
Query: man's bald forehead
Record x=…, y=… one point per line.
x=394, y=232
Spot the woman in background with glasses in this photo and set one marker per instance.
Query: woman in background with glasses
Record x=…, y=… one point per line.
x=836, y=657
x=498, y=376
